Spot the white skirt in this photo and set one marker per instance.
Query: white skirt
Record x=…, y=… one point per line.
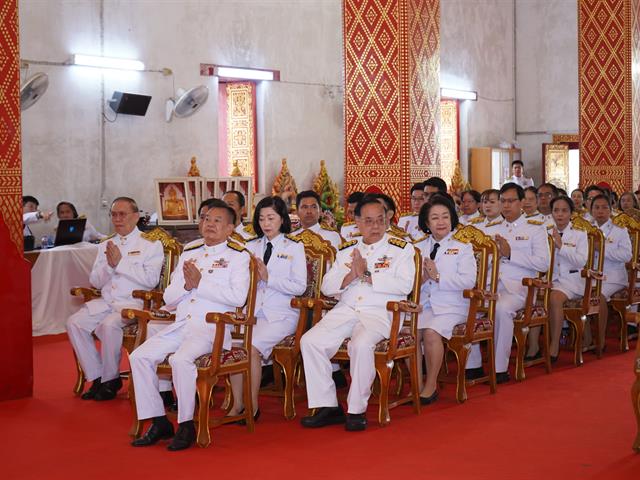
x=569, y=287
x=443, y=324
x=267, y=335
x=609, y=288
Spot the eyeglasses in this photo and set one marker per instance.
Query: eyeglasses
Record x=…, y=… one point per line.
x=509, y=200
x=119, y=214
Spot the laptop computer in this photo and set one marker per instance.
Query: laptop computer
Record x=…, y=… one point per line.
x=70, y=231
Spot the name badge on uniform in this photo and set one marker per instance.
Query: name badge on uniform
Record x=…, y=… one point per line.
x=134, y=252
x=383, y=262
x=569, y=244
x=452, y=251
x=222, y=263
x=284, y=256
x=609, y=240
x=522, y=237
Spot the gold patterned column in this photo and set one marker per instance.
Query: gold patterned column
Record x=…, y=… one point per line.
x=392, y=96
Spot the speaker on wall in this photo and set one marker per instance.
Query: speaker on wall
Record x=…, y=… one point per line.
x=129, y=103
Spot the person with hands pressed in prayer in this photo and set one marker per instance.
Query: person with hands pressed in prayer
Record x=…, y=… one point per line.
x=282, y=274
x=448, y=268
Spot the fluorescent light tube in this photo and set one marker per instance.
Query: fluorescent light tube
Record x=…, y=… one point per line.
x=106, y=62
x=458, y=94
x=244, y=73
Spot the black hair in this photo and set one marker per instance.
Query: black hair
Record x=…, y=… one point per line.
x=437, y=182
x=437, y=199
x=369, y=199
x=512, y=186
x=29, y=198
x=531, y=189
x=216, y=203
x=562, y=191
x=488, y=192
x=239, y=195
x=602, y=196
x=563, y=198
x=209, y=203
x=417, y=186
x=578, y=190
x=389, y=203
x=70, y=205
x=554, y=189
x=280, y=208
x=474, y=193
x=129, y=200
x=633, y=197
x=517, y=162
x=355, y=197
x=591, y=188
x=307, y=194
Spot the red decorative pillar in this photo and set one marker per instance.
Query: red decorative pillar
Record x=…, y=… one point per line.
x=16, y=355
x=609, y=89
x=392, y=95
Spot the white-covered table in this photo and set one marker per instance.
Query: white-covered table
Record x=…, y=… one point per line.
x=53, y=274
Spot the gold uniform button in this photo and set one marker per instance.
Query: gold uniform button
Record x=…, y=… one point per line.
x=200, y=269
x=206, y=255
x=193, y=300
x=189, y=316
x=359, y=298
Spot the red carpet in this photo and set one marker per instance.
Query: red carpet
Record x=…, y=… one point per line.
x=575, y=423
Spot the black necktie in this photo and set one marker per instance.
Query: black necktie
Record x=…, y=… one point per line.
x=560, y=234
x=267, y=253
x=434, y=250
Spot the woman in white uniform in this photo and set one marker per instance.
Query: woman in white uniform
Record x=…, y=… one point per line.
x=282, y=274
x=448, y=268
x=571, y=250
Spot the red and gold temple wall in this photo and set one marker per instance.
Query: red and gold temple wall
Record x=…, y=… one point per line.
x=392, y=95
x=608, y=43
x=15, y=294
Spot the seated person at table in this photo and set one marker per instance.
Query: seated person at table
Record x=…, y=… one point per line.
x=368, y=273
x=617, y=252
x=126, y=261
x=235, y=200
x=282, y=274
x=349, y=229
x=308, y=203
x=211, y=276
x=571, y=250
x=448, y=268
x=67, y=211
x=31, y=214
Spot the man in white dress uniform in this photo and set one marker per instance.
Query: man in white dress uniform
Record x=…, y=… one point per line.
x=349, y=229
x=517, y=168
x=308, y=204
x=367, y=273
x=409, y=221
x=212, y=276
x=236, y=200
x=126, y=261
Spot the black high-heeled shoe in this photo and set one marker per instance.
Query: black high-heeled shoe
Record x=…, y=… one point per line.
x=243, y=422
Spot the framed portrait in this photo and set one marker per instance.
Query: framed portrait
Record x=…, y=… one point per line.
x=556, y=165
x=174, y=201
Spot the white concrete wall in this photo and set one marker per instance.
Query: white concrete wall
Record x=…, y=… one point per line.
x=547, y=75
x=477, y=53
x=299, y=117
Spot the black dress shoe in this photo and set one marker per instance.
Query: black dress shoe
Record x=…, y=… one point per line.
x=159, y=430
x=530, y=358
x=109, y=390
x=502, y=377
x=324, y=416
x=430, y=399
x=339, y=379
x=184, y=438
x=267, y=377
x=169, y=401
x=554, y=359
x=356, y=422
x=243, y=422
x=473, y=373
x=91, y=393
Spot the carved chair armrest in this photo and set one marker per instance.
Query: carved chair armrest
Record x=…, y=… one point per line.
x=595, y=274
x=87, y=293
x=313, y=303
x=143, y=317
x=151, y=298
x=476, y=293
x=535, y=283
x=230, y=318
x=404, y=306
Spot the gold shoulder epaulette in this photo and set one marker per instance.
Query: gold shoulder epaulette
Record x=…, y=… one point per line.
x=407, y=214
x=324, y=226
x=532, y=215
x=236, y=246
x=495, y=222
x=550, y=226
x=535, y=222
x=396, y=242
x=249, y=229
x=461, y=236
x=475, y=220
x=236, y=237
x=424, y=237
x=193, y=247
x=293, y=237
x=253, y=238
x=347, y=224
x=108, y=238
x=148, y=236
x=348, y=244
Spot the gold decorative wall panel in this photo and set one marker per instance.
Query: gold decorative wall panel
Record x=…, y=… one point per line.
x=448, y=139
x=241, y=141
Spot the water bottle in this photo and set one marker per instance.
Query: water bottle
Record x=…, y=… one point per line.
x=44, y=242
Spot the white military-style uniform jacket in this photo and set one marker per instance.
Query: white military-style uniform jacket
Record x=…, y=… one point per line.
x=391, y=263
x=241, y=229
x=617, y=252
x=546, y=220
x=349, y=231
x=409, y=223
x=523, y=181
x=29, y=219
x=529, y=251
x=481, y=223
x=569, y=261
x=466, y=219
x=139, y=268
x=328, y=234
x=457, y=267
x=287, y=269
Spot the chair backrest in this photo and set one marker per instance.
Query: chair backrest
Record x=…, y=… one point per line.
x=542, y=295
x=244, y=332
x=595, y=262
x=320, y=255
x=633, y=228
x=172, y=250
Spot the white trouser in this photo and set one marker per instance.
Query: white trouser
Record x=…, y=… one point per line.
x=108, y=328
x=321, y=343
x=506, y=307
x=145, y=359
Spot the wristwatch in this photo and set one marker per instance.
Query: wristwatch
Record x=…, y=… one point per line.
x=366, y=275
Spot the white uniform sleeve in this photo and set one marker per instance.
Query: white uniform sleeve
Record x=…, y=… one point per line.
x=296, y=282
x=465, y=275
x=538, y=257
x=147, y=272
x=30, y=218
x=576, y=256
x=231, y=291
x=399, y=281
x=333, y=278
x=620, y=249
x=175, y=292
x=101, y=272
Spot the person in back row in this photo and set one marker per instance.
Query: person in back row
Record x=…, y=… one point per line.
x=67, y=211
x=308, y=203
x=409, y=221
x=31, y=214
x=517, y=168
x=469, y=205
x=235, y=199
x=349, y=229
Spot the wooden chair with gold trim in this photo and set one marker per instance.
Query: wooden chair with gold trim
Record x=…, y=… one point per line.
x=150, y=298
x=635, y=389
x=213, y=366
x=578, y=311
x=623, y=300
x=479, y=327
x=533, y=317
x=320, y=255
